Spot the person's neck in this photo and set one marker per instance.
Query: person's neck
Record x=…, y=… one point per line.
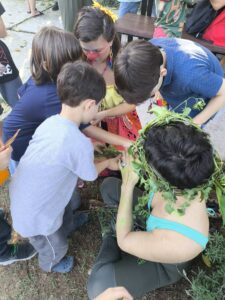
x=100, y=66
x=73, y=114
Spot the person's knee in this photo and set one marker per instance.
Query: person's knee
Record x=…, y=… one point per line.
x=109, y=190
x=100, y=280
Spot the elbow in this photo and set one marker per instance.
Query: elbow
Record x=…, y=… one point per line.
x=122, y=243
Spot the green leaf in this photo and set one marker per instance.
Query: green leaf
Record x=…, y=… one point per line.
x=186, y=111
x=169, y=208
x=221, y=200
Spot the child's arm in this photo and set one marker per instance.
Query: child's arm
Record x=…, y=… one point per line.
x=118, y=110
x=106, y=137
x=111, y=164
x=214, y=105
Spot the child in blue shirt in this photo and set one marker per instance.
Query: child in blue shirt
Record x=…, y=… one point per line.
x=181, y=70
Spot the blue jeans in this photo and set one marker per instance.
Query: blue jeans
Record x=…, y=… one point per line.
x=9, y=90
x=128, y=7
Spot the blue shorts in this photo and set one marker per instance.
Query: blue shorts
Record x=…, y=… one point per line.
x=128, y=7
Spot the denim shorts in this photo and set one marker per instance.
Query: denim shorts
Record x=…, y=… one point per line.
x=128, y=7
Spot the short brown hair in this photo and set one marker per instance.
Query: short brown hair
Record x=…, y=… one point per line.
x=79, y=81
x=51, y=49
x=137, y=70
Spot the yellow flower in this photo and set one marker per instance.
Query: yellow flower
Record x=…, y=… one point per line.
x=105, y=10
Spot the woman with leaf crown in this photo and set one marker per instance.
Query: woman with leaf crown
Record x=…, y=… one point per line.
x=175, y=164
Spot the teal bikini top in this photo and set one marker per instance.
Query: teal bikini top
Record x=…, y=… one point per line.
x=160, y=223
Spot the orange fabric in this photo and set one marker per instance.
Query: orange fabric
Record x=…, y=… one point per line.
x=4, y=175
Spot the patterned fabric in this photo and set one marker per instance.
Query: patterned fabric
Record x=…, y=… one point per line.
x=126, y=125
x=171, y=16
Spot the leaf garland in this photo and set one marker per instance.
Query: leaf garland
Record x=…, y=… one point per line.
x=152, y=181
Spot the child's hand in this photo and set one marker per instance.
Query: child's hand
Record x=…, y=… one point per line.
x=5, y=157
x=129, y=176
x=98, y=147
x=113, y=163
x=127, y=143
x=115, y=294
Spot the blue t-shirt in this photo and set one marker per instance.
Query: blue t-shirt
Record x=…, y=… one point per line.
x=192, y=72
x=36, y=103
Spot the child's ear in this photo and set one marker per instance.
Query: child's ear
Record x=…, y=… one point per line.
x=89, y=103
x=163, y=71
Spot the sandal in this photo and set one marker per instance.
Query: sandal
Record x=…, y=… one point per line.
x=39, y=13
x=29, y=12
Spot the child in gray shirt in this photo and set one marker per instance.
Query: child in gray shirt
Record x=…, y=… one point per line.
x=57, y=155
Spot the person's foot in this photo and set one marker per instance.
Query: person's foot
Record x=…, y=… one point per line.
x=65, y=265
x=37, y=14
x=17, y=252
x=55, y=6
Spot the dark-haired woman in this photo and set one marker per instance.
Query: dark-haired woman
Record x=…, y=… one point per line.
x=183, y=157
x=96, y=32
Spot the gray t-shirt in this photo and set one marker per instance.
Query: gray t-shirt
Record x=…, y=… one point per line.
x=46, y=176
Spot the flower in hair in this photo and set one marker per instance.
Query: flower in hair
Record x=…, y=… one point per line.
x=105, y=10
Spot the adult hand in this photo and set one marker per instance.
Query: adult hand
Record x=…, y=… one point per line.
x=129, y=176
x=5, y=157
x=116, y=293
x=99, y=117
x=113, y=163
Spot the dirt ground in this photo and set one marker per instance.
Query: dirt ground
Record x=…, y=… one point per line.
x=24, y=280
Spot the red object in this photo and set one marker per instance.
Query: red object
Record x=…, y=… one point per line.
x=215, y=32
x=126, y=126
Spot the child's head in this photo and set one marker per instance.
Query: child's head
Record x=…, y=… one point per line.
x=96, y=32
x=137, y=70
x=79, y=82
x=180, y=153
x=51, y=49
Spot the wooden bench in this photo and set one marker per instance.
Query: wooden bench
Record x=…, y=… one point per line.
x=142, y=26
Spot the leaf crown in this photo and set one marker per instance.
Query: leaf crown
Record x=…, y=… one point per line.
x=152, y=181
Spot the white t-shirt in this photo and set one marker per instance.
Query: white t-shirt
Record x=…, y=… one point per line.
x=46, y=176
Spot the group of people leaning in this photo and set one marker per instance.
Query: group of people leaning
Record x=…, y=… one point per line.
x=79, y=80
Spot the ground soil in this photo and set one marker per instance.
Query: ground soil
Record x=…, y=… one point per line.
x=25, y=280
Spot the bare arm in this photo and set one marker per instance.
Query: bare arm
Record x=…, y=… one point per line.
x=111, y=163
x=156, y=246
x=118, y=110
x=214, y=105
x=106, y=137
x=217, y=4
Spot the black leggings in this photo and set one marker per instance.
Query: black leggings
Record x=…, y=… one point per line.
x=114, y=268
